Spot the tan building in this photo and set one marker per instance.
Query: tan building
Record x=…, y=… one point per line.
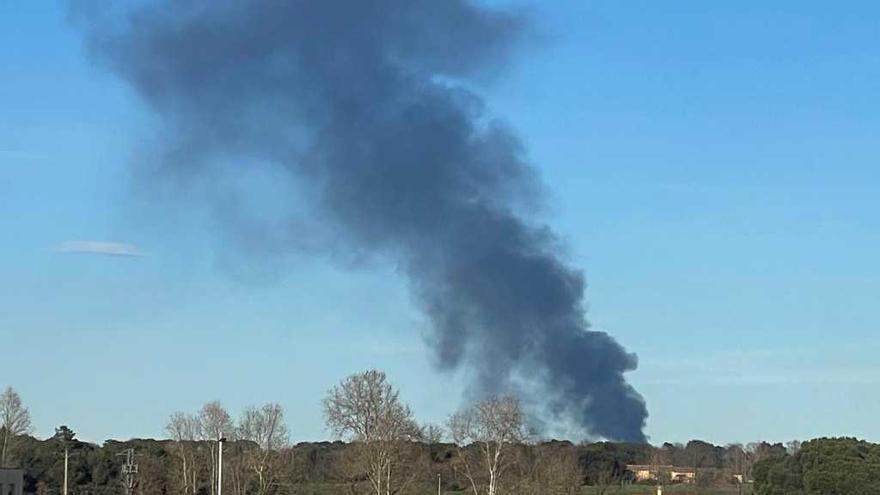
x=682, y=475
x=645, y=472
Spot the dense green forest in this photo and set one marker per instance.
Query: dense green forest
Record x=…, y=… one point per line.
x=828, y=466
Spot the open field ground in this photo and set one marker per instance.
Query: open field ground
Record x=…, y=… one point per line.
x=667, y=490
x=331, y=489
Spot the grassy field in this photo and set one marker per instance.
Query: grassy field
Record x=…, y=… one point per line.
x=667, y=490
x=588, y=490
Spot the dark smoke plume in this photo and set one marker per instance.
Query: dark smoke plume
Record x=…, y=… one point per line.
x=364, y=102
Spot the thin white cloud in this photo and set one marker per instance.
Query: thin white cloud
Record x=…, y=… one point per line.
x=100, y=248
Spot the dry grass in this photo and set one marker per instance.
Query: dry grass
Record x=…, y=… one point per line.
x=330, y=489
x=667, y=490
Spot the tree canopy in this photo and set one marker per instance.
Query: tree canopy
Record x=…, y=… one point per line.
x=826, y=466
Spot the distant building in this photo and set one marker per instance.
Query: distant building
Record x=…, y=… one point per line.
x=645, y=472
x=682, y=475
x=11, y=481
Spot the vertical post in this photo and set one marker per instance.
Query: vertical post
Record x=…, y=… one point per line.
x=438, y=484
x=65, y=470
x=220, y=465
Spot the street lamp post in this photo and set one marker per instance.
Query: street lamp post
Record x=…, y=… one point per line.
x=220, y=442
x=65, y=469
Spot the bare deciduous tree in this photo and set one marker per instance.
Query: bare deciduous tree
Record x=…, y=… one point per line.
x=493, y=425
x=734, y=464
x=185, y=429
x=658, y=458
x=366, y=410
x=603, y=482
x=563, y=473
x=432, y=434
x=264, y=427
x=15, y=420
x=547, y=469
x=214, y=423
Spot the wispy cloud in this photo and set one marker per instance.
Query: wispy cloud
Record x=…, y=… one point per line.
x=102, y=248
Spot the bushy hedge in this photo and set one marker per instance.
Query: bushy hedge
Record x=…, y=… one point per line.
x=827, y=466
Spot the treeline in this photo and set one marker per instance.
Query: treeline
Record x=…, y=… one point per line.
x=553, y=467
x=486, y=448
x=826, y=467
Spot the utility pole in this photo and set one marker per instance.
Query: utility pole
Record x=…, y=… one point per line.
x=129, y=469
x=65, y=438
x=65, y=469
x=67, y=455
x=220, y=442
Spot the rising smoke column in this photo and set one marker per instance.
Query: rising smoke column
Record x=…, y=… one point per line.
x=364, y=102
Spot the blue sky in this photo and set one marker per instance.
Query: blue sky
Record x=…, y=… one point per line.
x=713, y=167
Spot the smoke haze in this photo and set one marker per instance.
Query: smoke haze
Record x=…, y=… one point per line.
x=365, y=104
